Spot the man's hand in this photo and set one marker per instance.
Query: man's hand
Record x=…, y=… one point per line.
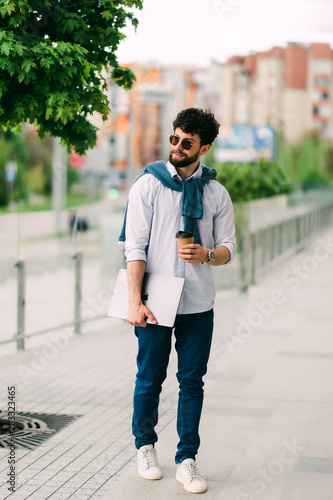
x=193, y=253
x=137, y=311
x=137, y=315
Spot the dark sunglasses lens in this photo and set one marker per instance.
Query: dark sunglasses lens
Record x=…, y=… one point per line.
x=173, y=140
x=186, y=144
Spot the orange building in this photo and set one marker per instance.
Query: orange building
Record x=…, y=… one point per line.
x=140, y=121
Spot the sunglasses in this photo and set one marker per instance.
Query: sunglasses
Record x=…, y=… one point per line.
x=185, y=143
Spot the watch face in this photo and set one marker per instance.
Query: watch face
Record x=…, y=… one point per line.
x=211, y=256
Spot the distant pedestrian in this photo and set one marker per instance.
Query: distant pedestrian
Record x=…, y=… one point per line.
x=178, y=195
x=76, y=223
x=72, y=222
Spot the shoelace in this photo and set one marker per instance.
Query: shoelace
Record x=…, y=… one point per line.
x=148, y=457
x=192, y=471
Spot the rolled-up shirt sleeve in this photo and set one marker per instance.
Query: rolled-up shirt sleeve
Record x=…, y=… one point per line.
x=224, y=227
x=139, y=218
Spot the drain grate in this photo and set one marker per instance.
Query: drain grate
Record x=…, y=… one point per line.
x=32, y=429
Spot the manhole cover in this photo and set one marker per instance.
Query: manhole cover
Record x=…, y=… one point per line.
x=31, y=429
x=6, y=429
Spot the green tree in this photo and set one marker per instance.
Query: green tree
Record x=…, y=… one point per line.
x=307, y=163
x=52, y=57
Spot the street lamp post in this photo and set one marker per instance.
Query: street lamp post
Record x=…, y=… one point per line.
x=59, y=182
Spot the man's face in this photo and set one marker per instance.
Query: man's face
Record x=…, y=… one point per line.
x=180, y=157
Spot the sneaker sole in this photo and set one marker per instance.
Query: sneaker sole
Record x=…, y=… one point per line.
x=151, y=478
x=201, y=490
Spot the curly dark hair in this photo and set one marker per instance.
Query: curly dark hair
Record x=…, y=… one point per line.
x=198, y=121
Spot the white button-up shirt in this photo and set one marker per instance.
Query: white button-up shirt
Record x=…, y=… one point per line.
x=154, y=217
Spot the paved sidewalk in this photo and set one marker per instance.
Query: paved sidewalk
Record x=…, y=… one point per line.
x=267, y=422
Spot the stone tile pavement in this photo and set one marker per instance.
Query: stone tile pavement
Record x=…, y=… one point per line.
x=266, y=428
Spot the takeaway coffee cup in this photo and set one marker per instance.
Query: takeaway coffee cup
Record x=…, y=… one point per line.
x=184, y=238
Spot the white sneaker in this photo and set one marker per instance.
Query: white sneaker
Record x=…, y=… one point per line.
x=188, y=474
x=148, y=466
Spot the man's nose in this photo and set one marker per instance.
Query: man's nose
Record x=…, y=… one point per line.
x=180, y=144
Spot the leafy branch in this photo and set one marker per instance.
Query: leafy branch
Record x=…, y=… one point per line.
x=52, y=55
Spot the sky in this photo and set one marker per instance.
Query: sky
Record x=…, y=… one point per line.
x=199, y=31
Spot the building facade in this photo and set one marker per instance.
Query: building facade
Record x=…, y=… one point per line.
x=289, y=88
x=140, y=123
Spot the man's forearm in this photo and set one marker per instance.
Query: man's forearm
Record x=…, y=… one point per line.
x=135, y=273
x=222, y=256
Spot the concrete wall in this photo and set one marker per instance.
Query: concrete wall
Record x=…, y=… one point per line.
x=295, y=114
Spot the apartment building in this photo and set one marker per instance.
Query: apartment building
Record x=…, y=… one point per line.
x=235, y=92
x=137, y=130
x=294, y=120
x=289, y=88
x=320, y=83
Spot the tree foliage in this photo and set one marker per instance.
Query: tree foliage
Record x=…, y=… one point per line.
x=52, y=57
x=308, y=163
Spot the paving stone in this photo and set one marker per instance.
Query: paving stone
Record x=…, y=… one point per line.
x=308, y=486
x=315, y=464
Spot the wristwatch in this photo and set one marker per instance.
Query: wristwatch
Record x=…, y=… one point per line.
x=211, y=256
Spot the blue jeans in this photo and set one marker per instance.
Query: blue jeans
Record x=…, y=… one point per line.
x=193, y=333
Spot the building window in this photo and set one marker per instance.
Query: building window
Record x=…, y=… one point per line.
x=315, y=96
x=322, y=82
x=325, y=111
x=322, y=67
x=321, y=112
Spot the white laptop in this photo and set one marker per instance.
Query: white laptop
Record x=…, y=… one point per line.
x=161, y=294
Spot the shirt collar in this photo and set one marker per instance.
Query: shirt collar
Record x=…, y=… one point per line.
x=172, y=170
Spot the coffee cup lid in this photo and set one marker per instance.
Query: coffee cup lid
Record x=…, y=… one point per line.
x=184, y=234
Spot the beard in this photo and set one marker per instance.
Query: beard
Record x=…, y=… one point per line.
x=184, y=162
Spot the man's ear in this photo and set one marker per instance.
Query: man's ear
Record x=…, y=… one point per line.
x=204, y=149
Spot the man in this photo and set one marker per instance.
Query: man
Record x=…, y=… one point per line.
x=179, y=194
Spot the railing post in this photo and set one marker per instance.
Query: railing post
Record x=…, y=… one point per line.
x=281, y=239
x=243, y=262
x=254, y=246
x=78, y=292
x=20, y=264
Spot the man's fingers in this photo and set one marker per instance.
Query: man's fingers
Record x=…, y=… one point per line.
x=138, y=323
x=151, y=317
x=140, y=320
x=137, y=319
x=188, y=248
x=191, y=245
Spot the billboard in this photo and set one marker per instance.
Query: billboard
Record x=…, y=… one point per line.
x=244, y=143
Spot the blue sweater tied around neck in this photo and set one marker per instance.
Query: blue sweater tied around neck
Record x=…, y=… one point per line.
x=192, y=192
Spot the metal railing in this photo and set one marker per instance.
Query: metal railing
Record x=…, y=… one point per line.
x=267, y=247
x=20, y=337
x=259, y=251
